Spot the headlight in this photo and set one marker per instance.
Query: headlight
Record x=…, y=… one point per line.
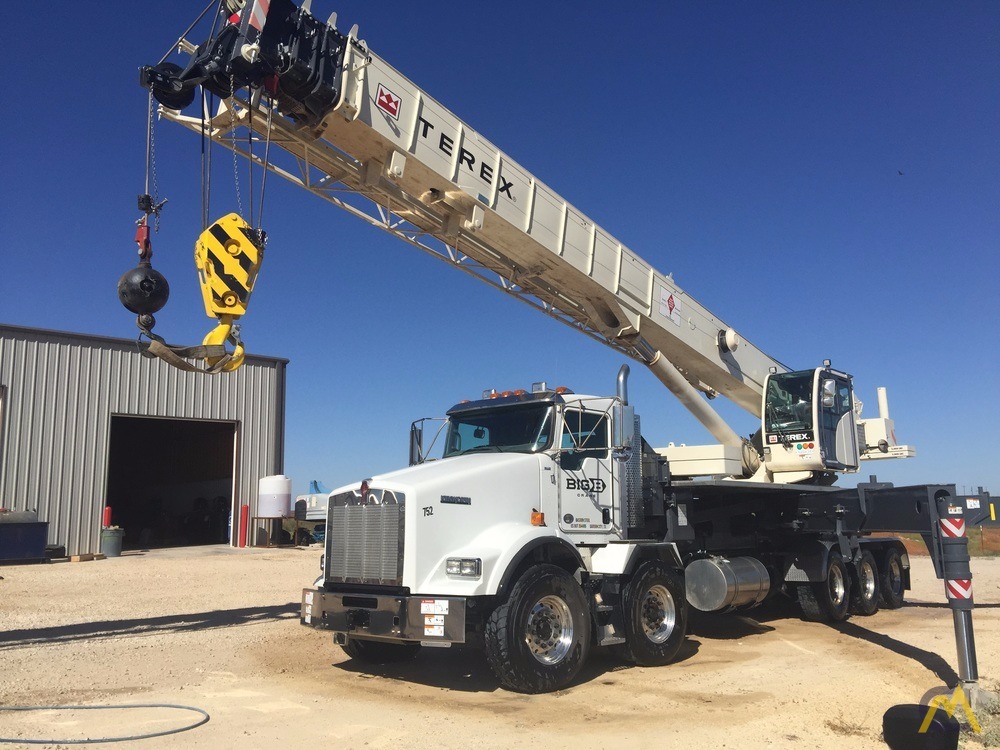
x=469, y=567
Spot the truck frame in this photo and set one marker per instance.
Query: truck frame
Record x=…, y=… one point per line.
x=549, y=526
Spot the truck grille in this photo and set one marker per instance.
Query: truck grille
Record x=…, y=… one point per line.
x=364, y=542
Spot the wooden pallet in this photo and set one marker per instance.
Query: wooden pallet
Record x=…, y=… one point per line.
x=87, y=557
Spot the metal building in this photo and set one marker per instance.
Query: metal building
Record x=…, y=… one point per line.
x=87, y=421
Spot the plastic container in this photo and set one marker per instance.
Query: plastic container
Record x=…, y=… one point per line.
x=274, y=497
x=111, y=541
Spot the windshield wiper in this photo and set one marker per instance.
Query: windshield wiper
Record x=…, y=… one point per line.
x=777, y=426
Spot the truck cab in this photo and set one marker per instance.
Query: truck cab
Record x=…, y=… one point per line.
x=517, y=470
x=530, y=492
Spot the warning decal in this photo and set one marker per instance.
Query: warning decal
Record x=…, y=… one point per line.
x=953, y=527
x=959, y=589
x=433, y=606
x=669, y=307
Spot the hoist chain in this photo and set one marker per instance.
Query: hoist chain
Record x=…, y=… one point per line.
x=232, y=135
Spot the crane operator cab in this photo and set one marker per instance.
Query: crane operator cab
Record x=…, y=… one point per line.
x=809, y=421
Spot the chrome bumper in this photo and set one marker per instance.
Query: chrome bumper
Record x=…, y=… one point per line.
x=408, y=618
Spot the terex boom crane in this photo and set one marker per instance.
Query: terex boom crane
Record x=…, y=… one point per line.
x=549, y=524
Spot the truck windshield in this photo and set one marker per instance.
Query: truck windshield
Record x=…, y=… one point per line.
x=511, y=429
x=788, y=404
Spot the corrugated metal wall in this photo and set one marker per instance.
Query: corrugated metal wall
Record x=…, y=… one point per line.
x=58, y=392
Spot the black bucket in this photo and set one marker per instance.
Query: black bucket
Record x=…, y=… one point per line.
x=901, y=728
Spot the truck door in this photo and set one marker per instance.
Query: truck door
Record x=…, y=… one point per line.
x=587, y=483
x=837, y=433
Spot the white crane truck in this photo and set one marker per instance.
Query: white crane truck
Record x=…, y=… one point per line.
x=549, y=526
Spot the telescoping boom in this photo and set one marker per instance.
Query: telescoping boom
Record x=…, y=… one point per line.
x=349, y=120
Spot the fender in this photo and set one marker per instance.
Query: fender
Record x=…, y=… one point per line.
x=809, y=561
x=549, y=548
x=619, y=558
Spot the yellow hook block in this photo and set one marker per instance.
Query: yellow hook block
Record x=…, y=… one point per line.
x=228, y=256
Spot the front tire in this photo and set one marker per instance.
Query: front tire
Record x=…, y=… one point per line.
x=380, y=652
x=828, y=600
x=539, y=638
x=654, y=609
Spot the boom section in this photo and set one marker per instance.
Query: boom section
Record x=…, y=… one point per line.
x=353, y=122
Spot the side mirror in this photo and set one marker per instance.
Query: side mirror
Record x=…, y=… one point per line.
x=829, y=393
x=622, y=431
x=416, y=444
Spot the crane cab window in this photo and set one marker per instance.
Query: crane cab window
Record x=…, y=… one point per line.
x=788, y=403
x=584, y=435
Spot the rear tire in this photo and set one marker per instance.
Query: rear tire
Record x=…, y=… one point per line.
x=891, y=590
x=539, y=638
x=380, y=652
x=828, y=600
x=654, y=610
x=865, y=585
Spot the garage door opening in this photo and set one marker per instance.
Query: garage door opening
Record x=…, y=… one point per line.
x=170, y=481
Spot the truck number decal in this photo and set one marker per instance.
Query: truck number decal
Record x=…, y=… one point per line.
x=429, y=510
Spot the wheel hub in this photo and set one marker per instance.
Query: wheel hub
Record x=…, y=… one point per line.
x=837, y=587
x=549, y=630
x=658, y=614
x=895, y=576
x=868, y=582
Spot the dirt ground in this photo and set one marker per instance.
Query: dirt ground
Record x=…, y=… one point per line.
x=217, y=628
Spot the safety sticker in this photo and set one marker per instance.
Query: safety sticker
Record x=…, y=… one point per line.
x=953, y=527
x=972, y=502
x=669, y=308
x=437, y=630
x=960, y=589
x=954, y=510
x=433, y=606
x=433, y=620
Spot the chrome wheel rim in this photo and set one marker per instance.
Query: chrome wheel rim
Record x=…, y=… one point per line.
x=868, y=582
x=837, y=587
x=895, y=576
x=658, y=614
x=549, y=630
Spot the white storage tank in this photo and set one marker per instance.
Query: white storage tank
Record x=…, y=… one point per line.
x=274, y=497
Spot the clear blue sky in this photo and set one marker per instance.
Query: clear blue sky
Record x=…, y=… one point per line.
x=751, y=149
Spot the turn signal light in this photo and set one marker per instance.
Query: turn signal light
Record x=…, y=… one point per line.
x=537, y=518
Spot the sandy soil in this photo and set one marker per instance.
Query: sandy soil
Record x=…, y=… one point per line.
x=218, y=629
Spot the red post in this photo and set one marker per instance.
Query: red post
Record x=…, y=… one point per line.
x=244, y=522
x=107, y=516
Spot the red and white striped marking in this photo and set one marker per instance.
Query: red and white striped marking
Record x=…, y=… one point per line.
x=953, y=527
x=259, y=13
x=958, y=589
